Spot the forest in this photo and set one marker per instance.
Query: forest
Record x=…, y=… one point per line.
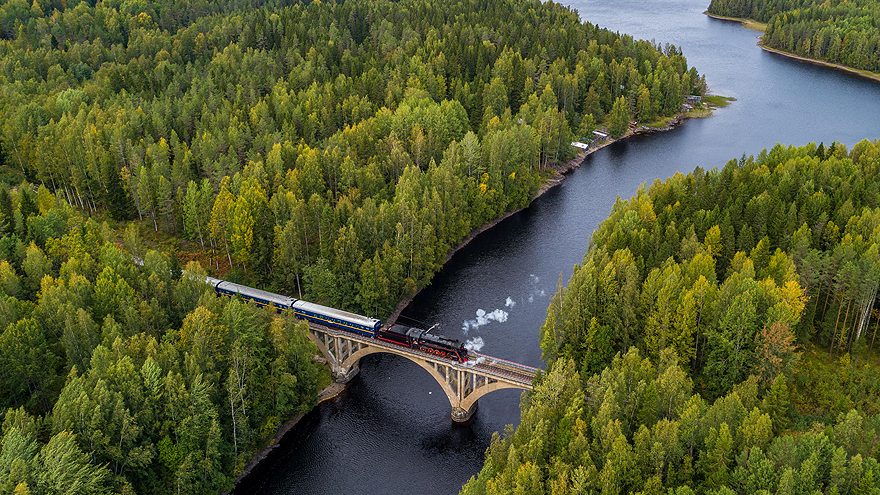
x=122, y=373
x=292, y=142
x=334, y=151
x=843, y=33
x=717, y=338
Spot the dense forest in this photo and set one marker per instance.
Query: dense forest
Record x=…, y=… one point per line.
x=718, y=338
x=844, y=33
x=334, y=151
x=130, y=377
x=330, y=150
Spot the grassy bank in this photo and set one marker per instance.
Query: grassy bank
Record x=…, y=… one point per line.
x=747, y=23
x=718, y=101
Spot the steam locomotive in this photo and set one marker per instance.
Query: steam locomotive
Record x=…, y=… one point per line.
x=414, y=338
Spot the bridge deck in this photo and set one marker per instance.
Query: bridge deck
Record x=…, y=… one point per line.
x=493, y=365
x=480, y=364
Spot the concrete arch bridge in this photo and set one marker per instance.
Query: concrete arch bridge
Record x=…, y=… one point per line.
x=464, y=383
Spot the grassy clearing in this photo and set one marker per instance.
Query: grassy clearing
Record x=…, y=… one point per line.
x=754, y=25
x=823, y=386
x=718, y=101
x=699, y=113
x=325, y=378
x=10, y=177
x=660, y=122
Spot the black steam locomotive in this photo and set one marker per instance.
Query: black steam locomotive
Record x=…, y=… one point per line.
x=414, y=338
x=420, y=339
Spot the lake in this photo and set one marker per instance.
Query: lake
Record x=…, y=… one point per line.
x=390, y=431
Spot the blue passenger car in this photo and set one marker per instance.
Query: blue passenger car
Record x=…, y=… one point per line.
x=259, y=297
x=414, y=338
x=317, y=313
x=337, y=318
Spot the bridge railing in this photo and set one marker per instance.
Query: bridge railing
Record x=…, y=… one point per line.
x=497, y=368
x=511, y=364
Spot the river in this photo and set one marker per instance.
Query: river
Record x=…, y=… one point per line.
x=390, y=431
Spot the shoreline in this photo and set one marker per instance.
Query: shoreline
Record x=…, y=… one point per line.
x=858, y=72
x=747, y=23
x=560, y=171
x=757, y=26
x=327, y=393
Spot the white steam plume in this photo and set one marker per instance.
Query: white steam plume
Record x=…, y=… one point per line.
x=475, y=344
x=483, y=318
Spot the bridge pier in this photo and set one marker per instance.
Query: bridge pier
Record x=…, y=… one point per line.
x=463, y=416
x=344, y=375
x=463, y=383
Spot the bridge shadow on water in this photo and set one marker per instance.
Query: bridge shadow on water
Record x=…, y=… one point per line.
x=392, y=406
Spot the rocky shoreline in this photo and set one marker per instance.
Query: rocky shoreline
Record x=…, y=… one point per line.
x=329, y=392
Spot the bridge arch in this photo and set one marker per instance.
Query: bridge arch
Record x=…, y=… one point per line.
x=463, y=384
x=474, y=396
x=355, y=359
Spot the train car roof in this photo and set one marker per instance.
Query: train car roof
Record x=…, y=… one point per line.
x=336, y=313
x=437, y=339
x=251, y=292
x=213, y=281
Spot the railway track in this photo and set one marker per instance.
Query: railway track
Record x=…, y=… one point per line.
x=507, y=369
x=484, y=363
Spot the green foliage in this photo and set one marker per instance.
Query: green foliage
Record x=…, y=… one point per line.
x=618, y=120
x=141, y=380
x=592, y=435
x=285, y=137
x=843, y=33
x=659, y=272
x=663, y=281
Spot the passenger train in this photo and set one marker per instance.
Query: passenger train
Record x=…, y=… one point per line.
x=414, y=338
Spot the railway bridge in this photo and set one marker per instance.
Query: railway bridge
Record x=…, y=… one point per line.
x=464, y=383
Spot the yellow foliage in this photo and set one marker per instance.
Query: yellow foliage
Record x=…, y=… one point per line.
x=713, y=241
x=203, y=331
x=794, y=298
x=45, y=199
x=646, y=211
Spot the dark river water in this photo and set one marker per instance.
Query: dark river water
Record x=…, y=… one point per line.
x=390, y=431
